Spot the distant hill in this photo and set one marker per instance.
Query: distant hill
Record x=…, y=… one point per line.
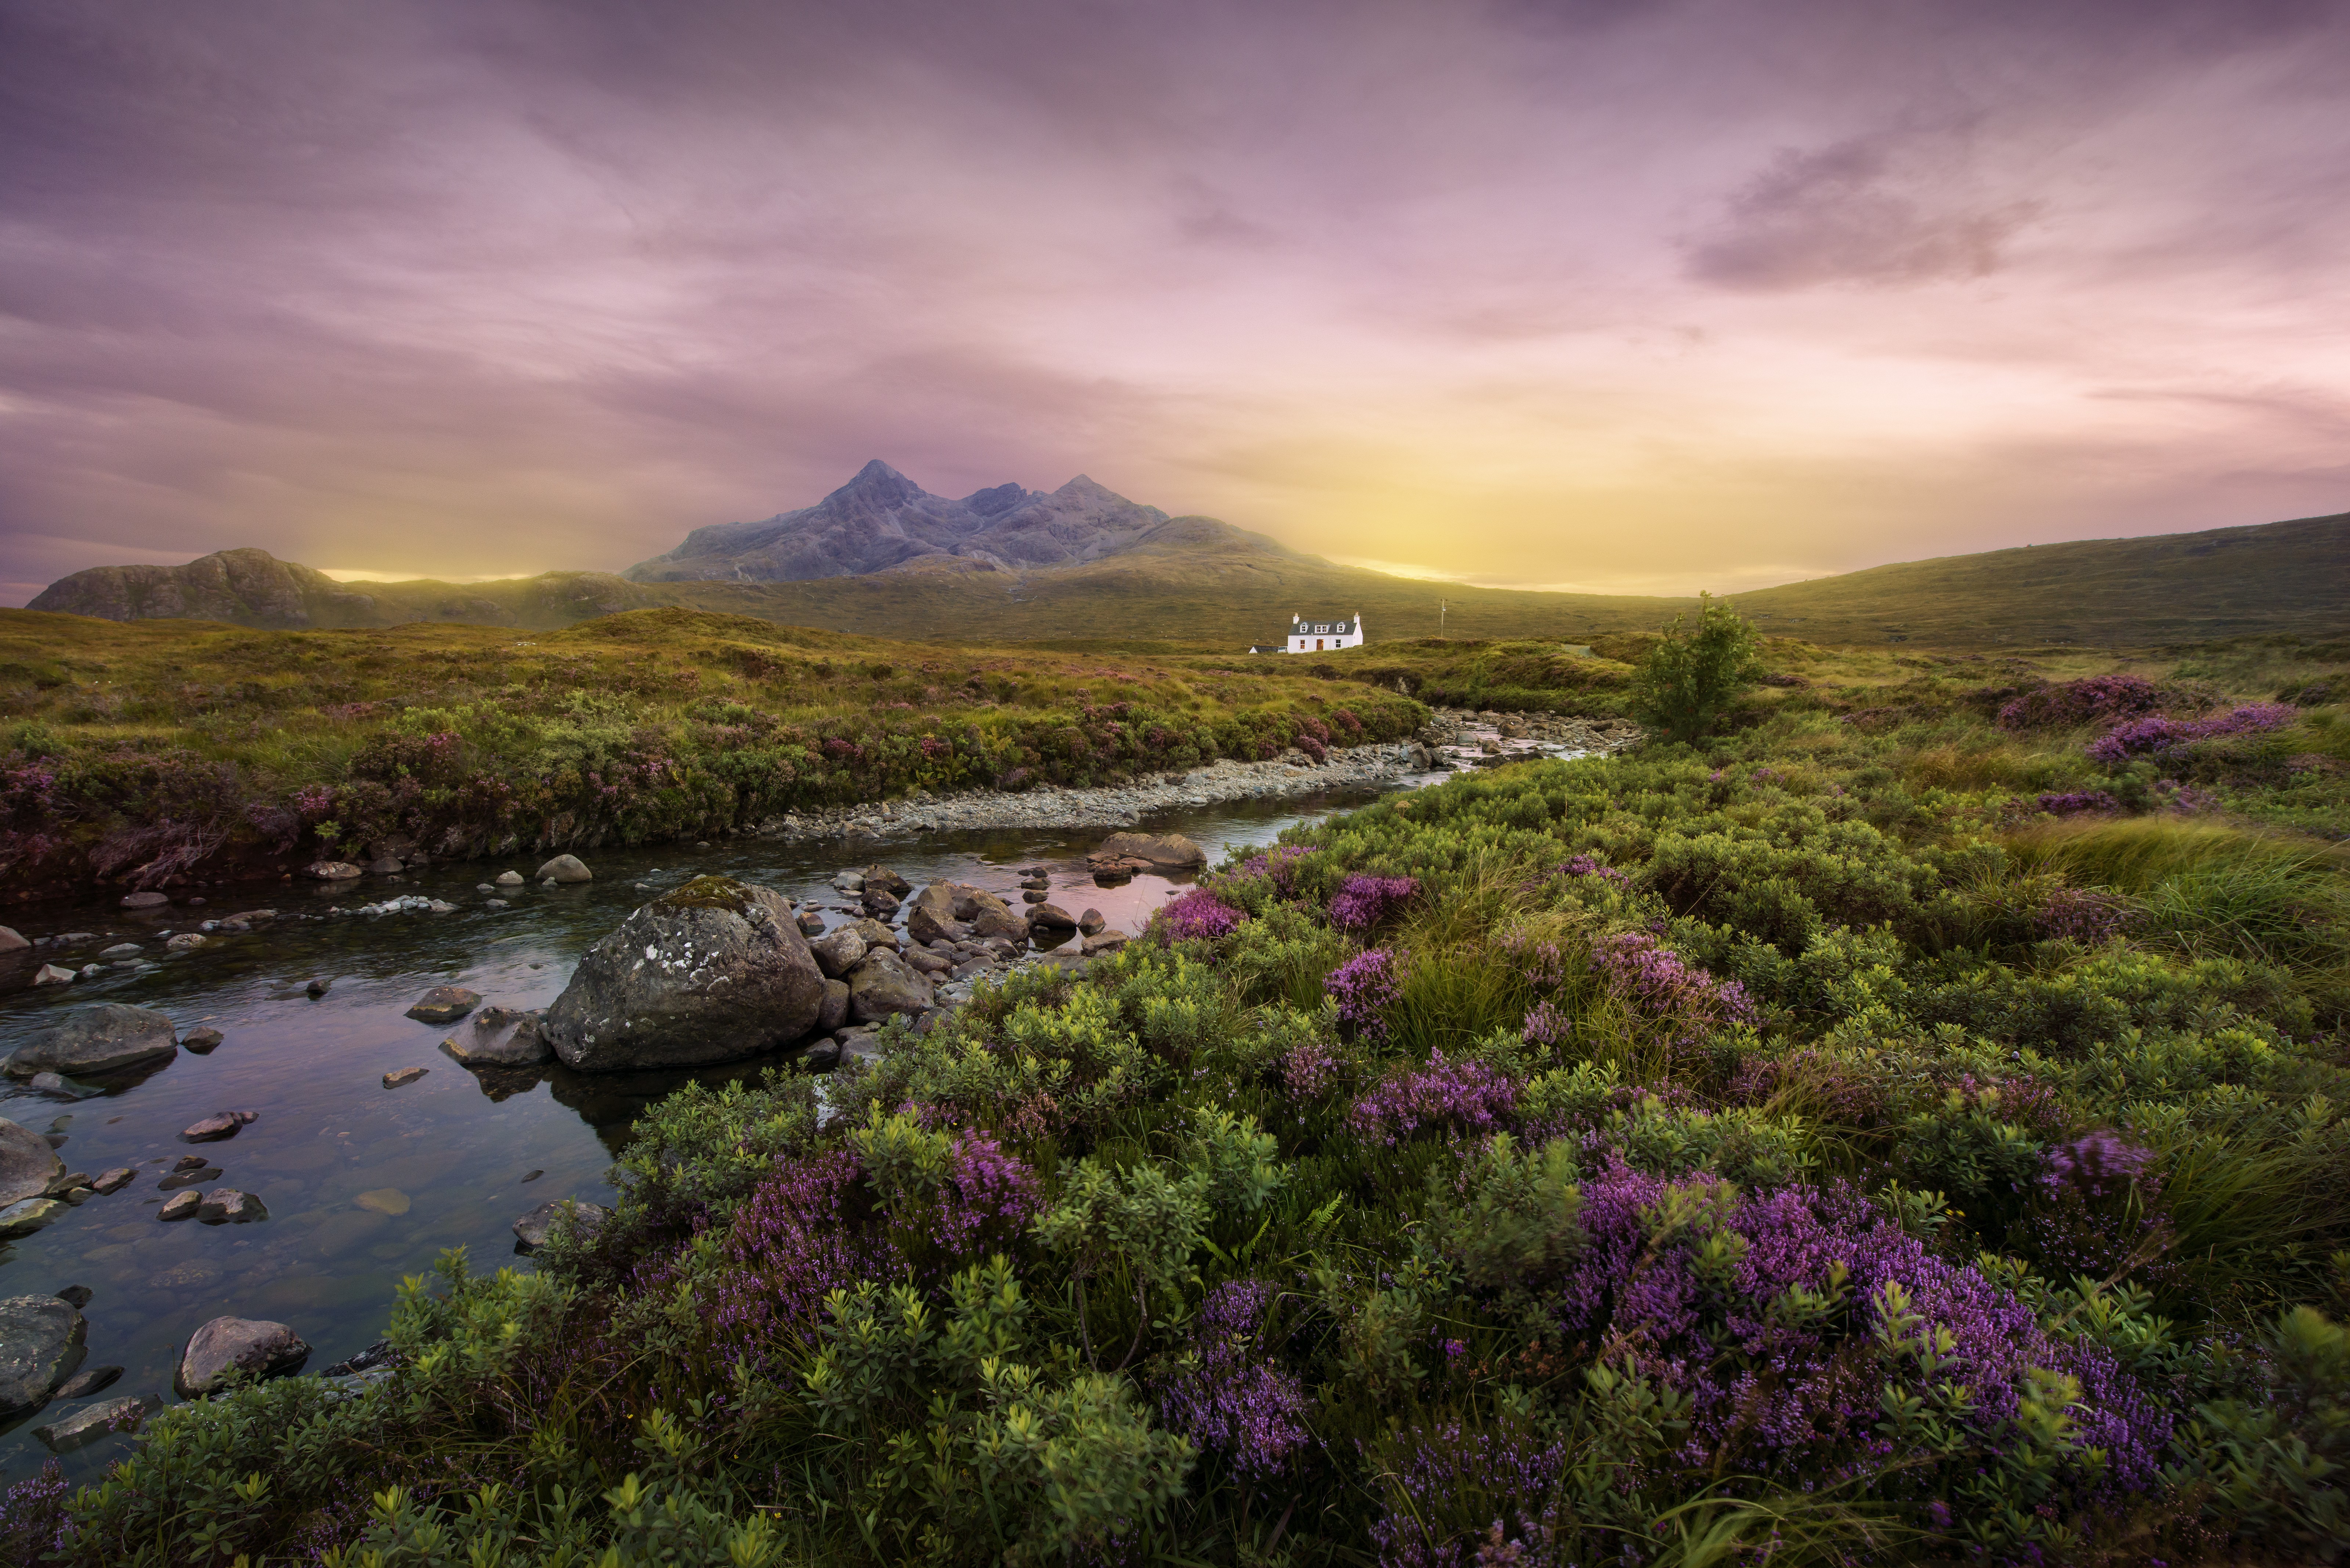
x=1199, y=583
x=253, y=587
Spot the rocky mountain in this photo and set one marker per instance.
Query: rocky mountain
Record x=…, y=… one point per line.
x=252, y=587
x=881, y=519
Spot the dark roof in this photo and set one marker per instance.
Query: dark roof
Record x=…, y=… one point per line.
x=1323, y=628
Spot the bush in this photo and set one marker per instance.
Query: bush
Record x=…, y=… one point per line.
x=1685, y=685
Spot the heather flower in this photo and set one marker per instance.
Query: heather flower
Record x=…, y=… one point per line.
x=1468, y=1097
x=2096, y=1165
x=1197, y=916
x=2098, y=699
x=1364, y=986
x=2159, y=734
x=1277, y=865
x=1309, y=1069
x=1443, y=1491
x=1363, y=900
x=1230, y=1396
x=988, y=1199
x=1548, y=1025
x=2079, y=803
x=1657, y=982
x=791, y=1243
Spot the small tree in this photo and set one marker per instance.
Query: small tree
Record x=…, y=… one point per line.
x=1690, y=679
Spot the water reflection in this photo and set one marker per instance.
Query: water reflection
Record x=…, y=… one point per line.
x=365, y=1184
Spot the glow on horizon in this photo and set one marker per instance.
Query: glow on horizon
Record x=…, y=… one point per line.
x=1532, y=292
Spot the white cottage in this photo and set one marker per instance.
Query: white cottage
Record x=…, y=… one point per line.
x=1317, y=635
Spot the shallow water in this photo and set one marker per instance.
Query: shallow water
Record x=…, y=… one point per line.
x=363, y=1184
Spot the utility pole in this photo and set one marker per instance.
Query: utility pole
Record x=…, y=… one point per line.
x=1441, y=606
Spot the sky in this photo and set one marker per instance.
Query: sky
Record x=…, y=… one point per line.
x=1602, y=295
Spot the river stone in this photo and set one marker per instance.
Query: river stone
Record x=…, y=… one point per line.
x=41, y=1347
x=709, y=971
x=201, y=1040
x=928, y=923
x=881, y=984
x=388, y=865
x=1104, y=942
x=261, y=1349
x=1052, y=918
x=227, y=1206
x=833, y=1011
x=499, y=1037
x=28, y=1215
x=149, y=900
x=877, y=903
x=836, y=954
x=50, y=974
x=218, y=1125
x=403, y=1077
x=92, y=1422
x=332, y=870
x=999, y=921
x=12, y=940
x=583, y=1220
x=181, y=941
x=928, y=962
x=445, y=1004
x=106, y=1037
x=507, y=880
x=887, y=881
x=875, y=933
x=120, y=950
x=1171, y=851
x=27, y=1163
x=114, y=1180
x=849, y=881
x=565, y=868
x=180, y=1206
x=811, y=924
x=1091, y=921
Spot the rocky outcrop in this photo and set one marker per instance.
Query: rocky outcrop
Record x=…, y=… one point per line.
x=27, y=1163
x=258, y=1348
x=882, y=521
x=711, y=972
x=41, y=1347
x=108, y=1037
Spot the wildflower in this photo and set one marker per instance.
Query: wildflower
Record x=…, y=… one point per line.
x=1230, y=1397
x=1197, y=915
x=1468, y=1097
x=1363, y=986
x=1363, y=900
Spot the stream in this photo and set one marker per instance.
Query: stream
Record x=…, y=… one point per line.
x=363, y=1184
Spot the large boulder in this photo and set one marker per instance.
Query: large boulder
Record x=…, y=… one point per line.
x=883, y=984
x=499, y=1037
x=565, y=868
x=875, y=933
x=709, y=971
x=1052, y=918
x=236, y=1344
x=41, y=1347
x=106, y=1037
x=27, y=1163
x=934, y=922
x=1158, y=851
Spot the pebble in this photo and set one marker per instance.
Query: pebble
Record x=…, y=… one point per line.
x=404, y=1075
x=201, y=1040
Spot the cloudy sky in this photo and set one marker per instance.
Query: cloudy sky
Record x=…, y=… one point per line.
x=1613, y=295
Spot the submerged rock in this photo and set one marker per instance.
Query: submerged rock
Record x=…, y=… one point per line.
x=403, y=1077
x=148, y=900
x=92, y=1422
x=258, y=1348
x=27, y=1163
x=108, y=1037
x=114, y=1180
x=582, y=1219
x=89, y=1380
x=445, y=1004
x=41, y=1347
x=28, y=1215
x=201, y=1040
x=218, y=1125
x=1158, y=851
x=499, y=1037
x=711, y=972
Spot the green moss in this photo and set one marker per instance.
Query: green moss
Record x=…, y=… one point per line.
x=708, y=893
